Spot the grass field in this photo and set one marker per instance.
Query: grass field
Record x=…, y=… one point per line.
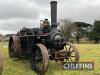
x=88, y=52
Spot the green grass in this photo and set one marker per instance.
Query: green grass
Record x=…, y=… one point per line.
x=88, y=52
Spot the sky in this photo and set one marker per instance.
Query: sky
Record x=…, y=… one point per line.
x=15, y=14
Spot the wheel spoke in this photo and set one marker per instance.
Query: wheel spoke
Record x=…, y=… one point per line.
x=38, y=59
x=71, y=59
x=68, y=59
x=66, y=47
x=69, y=48
x=11, y=47
x=72, y=56
x=39, y=55
x=39, y=65
x=72, y=51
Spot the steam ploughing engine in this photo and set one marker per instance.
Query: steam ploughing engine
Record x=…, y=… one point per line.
x=42, y=44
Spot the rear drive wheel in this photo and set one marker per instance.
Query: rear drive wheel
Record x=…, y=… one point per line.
x=39, y=59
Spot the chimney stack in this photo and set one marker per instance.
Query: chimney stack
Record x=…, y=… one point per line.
x=53, y=14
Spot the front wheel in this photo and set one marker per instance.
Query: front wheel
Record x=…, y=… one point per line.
x=39, y=59
x=72, y=53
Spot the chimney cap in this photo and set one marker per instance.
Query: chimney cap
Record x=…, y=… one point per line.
x=46, y=19
x=53, y=2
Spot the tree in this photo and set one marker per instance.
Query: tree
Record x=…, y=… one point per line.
x=95, y=33
x=81, y=31
x=66, y=26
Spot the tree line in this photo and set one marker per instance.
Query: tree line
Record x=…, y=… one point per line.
x=80, y=30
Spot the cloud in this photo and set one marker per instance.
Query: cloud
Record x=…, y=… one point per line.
x=13, y=25
x=18, y=9
x=84, y=10
x=15, y=14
